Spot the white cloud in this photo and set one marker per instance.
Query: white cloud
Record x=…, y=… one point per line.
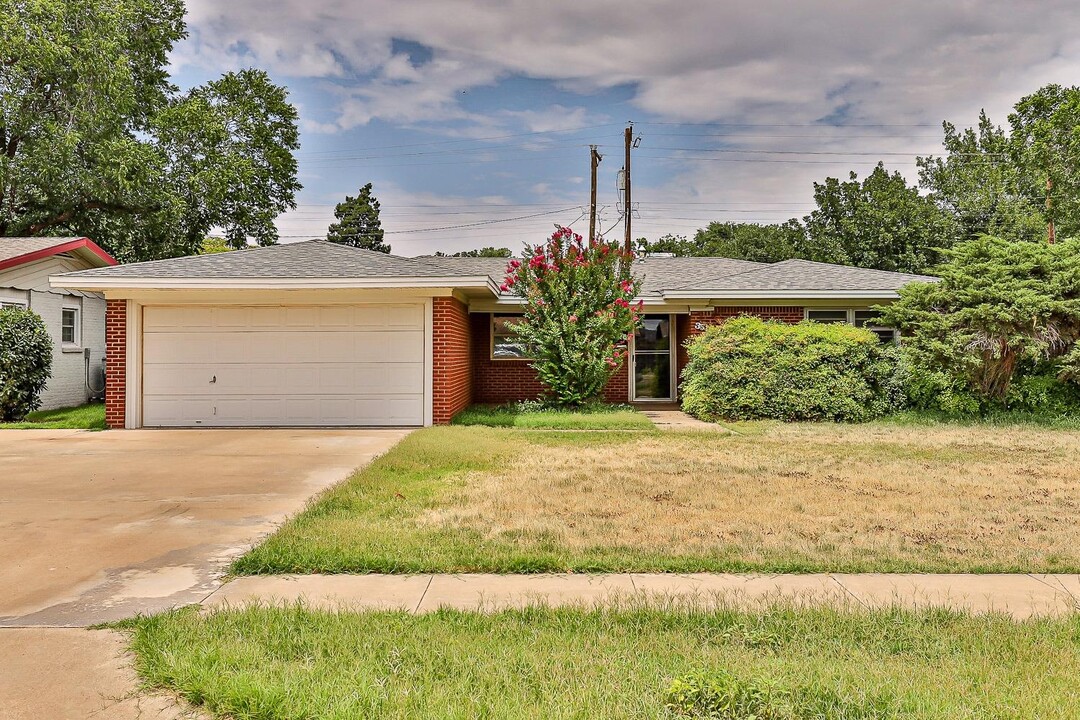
x=690, y=60
x=770, y=61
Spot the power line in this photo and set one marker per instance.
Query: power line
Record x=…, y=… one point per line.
x=811, y=124
x=468, y=225
x=464, y=140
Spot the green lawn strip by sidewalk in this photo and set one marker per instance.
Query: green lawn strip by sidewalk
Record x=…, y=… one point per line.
x=290, y=663
x=82, y=417
x=600, y=417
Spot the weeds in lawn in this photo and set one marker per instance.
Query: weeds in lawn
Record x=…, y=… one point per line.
x=288, y=662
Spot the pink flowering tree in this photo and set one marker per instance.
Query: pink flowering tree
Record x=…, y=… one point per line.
x=579, y=313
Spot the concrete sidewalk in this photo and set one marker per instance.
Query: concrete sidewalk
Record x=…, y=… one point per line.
x=1021, y=596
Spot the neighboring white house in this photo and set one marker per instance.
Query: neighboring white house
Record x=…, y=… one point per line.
x=75, y=319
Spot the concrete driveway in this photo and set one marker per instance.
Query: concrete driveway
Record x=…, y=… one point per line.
x=100, y=526
x=96, y=527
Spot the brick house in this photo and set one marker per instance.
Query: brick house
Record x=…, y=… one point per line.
x=315, y=333
x=74, y=318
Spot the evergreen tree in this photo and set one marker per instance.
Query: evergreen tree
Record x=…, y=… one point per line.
x=358, y=222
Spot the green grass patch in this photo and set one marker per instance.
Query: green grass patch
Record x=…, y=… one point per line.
x=992, y=419
x=784, y=663
x=535, y=416
x=82, y=417
x=790, y=498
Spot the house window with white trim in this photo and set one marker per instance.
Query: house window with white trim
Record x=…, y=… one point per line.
x=4, y=305
x=504, y=343
x=863, y=317
x=69, y=326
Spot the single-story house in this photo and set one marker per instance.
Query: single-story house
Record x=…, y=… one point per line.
x=74, y=318
x=316, y=333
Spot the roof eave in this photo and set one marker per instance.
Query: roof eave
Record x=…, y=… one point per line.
x=85, y=247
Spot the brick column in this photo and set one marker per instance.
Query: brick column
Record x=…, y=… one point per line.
x=451, y=371
x=115, y=362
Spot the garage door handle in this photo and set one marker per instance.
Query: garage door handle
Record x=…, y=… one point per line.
x=213, y=380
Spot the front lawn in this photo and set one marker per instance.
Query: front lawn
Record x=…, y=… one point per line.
x=600, y=417
x=775, y=498
x=784, y=663
x=82, y=417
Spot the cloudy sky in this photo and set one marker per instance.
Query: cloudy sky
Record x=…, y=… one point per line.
x=473, y=117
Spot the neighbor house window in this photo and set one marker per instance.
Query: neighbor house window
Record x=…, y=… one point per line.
x=859, y=318
x=69, y=326
x=504, y=344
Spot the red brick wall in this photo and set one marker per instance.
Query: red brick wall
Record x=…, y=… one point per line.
x=501, y=381
x=115, y=362
x=452, y=372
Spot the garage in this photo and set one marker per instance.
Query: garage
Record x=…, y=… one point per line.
x=283, y=365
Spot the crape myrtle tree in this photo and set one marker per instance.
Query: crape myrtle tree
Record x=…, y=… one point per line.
x=579, y=313
x=96, y=140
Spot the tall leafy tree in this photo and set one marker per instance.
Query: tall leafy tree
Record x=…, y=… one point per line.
x=484, y=252
x=980, y=184
x=742, y=241
x=1045, y=142
x=358, y=222
x=96, y=140
x=878, y=222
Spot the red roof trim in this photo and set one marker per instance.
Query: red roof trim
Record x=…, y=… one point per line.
x=77, y=244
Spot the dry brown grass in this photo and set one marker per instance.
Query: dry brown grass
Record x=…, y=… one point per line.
x=800, y=496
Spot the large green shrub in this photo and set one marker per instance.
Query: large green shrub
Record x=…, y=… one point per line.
x=1001, y=310
x=748, y=368
x=25, y=362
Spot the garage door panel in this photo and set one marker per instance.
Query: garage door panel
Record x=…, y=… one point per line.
x=232, y=318
x=282, y=365
x=165, y=318
x=177, y=347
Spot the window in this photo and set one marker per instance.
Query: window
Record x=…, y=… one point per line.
x=859, y=318
x=827, y=317
x=69, y=326
x=871, y=321
x=11, y=304
x=504, y=344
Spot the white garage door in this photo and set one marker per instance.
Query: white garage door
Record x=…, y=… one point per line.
x=283, y=365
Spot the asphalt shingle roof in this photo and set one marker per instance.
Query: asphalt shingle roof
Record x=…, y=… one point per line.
x=663, y=273
x=13, y=247
x=322, y=259
x=804, y=275
x=310, y=259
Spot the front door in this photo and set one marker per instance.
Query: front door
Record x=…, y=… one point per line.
x=652, y=365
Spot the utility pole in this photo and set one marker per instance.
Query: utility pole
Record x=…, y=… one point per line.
x=594, y=160
x=628, y=137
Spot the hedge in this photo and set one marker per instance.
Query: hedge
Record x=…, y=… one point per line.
x=748, y=368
